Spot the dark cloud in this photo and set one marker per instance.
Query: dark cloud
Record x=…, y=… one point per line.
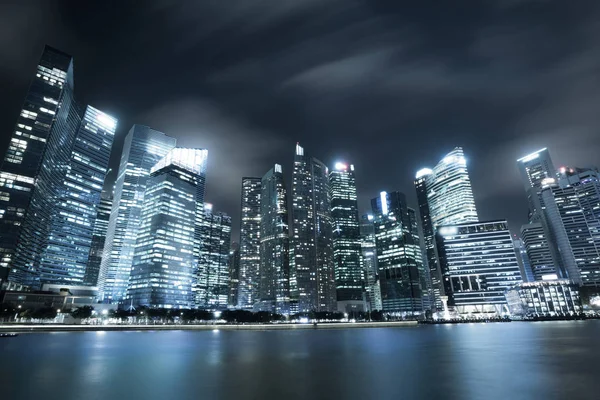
x=390, y=86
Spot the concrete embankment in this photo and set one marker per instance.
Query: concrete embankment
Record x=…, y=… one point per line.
x=208, y=327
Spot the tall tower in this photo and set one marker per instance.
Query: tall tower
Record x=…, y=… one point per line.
x=65, y=257
x=399, y=258
x=369, y=262
x=349, y=278
x=249, y=243
x=234, y=274
x=165, y=263
x=143, y=149
x=274, y=286
x=35, y=165
x=445, y=197
x=312, y=235
x=535, y=168
x=212, y=286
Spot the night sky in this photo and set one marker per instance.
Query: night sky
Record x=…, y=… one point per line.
x=386, y=85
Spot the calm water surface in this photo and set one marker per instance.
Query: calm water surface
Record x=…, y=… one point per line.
x=546, y=360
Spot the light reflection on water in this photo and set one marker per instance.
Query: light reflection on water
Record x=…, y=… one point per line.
x=550, y=360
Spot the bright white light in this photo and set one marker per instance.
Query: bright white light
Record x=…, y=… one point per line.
x=384, y=206
x=369, y=217
x=448, y=230
x=104, y=312
x=299, y=150
x=422, y=172
x=341, y=166
x=304, y=320
x=278, y=168
x=548, y=181
x=531, y=156
x=106, y=121
x=549, y=277
x=193, y=160
x=217, y=314
x=208, y=206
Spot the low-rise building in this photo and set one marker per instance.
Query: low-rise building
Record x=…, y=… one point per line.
x=544, y=298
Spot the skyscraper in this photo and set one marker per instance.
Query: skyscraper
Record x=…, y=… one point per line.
x=369, y=262
x=64, y=258
x=274, y=286
x=399, y=258
x=534, y=168
x=142, y=149
x=312, y=235
x=445, y=197
x=35, y=165
x=234, y=274
x=349, y=276
x=98, y=240
x=536, y=244
x=165, y=263
x=523, y=260
x=479, y=264
x=212, y=286
x=249, y=243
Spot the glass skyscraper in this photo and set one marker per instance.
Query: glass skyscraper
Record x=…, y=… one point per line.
x=479, y=264
x=313, y=267
x=35, y=165
x=142, y=149
x=445, y=197
x=165, y=262
x=369, y=262
x=399, y=258
x=234, y=274
x=249, y=243
x=98, y=240
x=534, y=169
x=65, y=257
x=349, y=276
x=212, y=284
x=274, y=285
x=538, y=252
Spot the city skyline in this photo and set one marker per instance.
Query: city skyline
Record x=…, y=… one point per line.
x=216, y=95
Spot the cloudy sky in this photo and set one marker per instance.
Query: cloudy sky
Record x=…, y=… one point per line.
x=387, y=85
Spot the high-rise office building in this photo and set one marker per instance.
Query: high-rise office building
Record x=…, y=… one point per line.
x=98, y=240
x=142, y=149
x=313, y=267
x=369, y=262
x=523, y=260
x=165, y=263
x=35, y=165
x=479, y=264
x=274, y=284
x=249, y=243
x=538, y=252
x=534, y=169
x=349, y=276
x=445, y=197
x=572, y=212
x=64, y=258
x=212, y=284
x=399, y=257
x=234, y=275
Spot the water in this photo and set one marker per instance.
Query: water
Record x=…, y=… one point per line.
x=544, y=360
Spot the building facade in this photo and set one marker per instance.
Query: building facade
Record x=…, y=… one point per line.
x=248, y=290
x=211, y=289
x=369, y=262
x=34, y=166
x=274, y=283
x=399, y=258
x=234, y=275
x=537, y=247
x=64, y=258
x=544, y=299
x=479, y=264
x=313, y=271
x=165, y=262
x=445, y=197
x=98, y=240
x=347, y=252
x=143, y=148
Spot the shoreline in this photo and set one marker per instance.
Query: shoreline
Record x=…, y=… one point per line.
x=226, y=327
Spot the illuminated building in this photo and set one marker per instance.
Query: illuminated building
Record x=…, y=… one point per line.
x=64, y=258
x=369, y=262
x=165, y=261
x=234, y=275
x=349, y=277
x=212, y=286
x=142, y=149
x=35, y=165
x=399, y=258
x=98, y=240
x=445, y=197
x=274, y=284
x=479, y=264
x=544, y=299
x=313, y=267
x=523, y=259
x=249, y=243
x=538, y=252
x=534, y=168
